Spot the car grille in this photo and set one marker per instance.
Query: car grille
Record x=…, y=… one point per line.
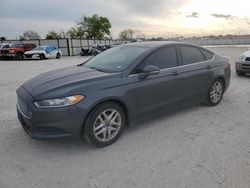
x=247, y=59
x=5, y=51
x=246, y=66
x=28, y=55
x=24, y=108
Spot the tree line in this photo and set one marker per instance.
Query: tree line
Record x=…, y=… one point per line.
x=89, y=27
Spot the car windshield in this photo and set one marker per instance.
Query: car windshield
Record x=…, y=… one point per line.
x=115, y=59
x=39, y=48
x=16, y=45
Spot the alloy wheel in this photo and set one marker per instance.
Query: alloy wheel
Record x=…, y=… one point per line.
x=107, y=125
x=216, y=92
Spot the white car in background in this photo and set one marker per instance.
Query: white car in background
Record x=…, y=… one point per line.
x=43, y=52
x=4, y=45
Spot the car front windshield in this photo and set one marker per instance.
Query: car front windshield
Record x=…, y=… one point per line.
x=115, y=59
x=39, y=48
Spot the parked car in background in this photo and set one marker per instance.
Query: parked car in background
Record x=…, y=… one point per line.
x=96, y=99
x=4, y=45
x=94, y=50
x=242, y=65
x=16, y=50
x=43, y=52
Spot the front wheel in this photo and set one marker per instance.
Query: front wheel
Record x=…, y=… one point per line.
x=58, y=55
x=215, y=93
x=42, y=56
x=104, y=124
x=19, y=56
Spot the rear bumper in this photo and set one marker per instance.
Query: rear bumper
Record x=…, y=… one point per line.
x=242, y=66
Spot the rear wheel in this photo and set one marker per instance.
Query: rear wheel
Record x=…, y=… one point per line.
x=19, y=56
x=42, y=56
x=104, y=124
x=58, y=55
x=215, y=93
x=240, y=73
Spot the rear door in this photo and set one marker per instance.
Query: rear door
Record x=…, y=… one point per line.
x=54, y=51
x=158, y=90
x=196, y=70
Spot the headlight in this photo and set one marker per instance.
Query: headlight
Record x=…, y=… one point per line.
x=242, y=58
x=12, y=51
x=59, y=102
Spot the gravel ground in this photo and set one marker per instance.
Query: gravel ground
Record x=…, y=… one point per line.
x=192, y=148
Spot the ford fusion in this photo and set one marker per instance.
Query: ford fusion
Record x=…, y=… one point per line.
x=98, y=98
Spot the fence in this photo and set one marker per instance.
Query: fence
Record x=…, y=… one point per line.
x=204, y=42
x=69, y=47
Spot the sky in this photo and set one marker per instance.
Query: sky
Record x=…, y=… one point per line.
x=154, y=18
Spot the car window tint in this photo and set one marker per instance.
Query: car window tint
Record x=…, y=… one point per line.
x=163, y=58
x=191, y=55
x=208, y=55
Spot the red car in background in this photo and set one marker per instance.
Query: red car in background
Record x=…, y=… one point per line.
x=16, y=50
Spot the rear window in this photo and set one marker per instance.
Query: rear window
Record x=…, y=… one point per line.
x=208, y=55
x=191, y=55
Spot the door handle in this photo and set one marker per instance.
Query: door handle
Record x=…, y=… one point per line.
x=175, y=73
x=209, y=67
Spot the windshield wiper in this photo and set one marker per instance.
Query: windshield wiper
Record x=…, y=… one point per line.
x=96, y=69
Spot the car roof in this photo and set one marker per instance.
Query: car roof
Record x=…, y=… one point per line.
x=155, y=44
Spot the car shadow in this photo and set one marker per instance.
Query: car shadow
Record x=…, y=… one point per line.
x=161, y=114
x=80, y=145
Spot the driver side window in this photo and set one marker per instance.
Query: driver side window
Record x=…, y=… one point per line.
x=163, y=58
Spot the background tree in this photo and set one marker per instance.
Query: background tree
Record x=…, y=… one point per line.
x=2, y=38
x=76, y=32
x=94, y=27
x=130, y=34
x=30, y=35
x=56, y=35
x=97, y=26
x=52, y=35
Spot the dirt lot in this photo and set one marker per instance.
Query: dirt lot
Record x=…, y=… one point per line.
x=194, y=148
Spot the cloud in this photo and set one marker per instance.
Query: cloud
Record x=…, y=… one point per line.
x=193, y=15
x=224, y=16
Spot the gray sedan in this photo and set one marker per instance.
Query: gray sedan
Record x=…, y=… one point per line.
x=98, y=98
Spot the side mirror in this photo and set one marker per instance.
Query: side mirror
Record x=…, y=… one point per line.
x=150, y=70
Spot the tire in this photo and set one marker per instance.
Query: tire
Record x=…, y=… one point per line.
x=58, y=55
x=42, y=56
x=102, y=131
x=240, y=73
x=215, y=93
x=19, y=56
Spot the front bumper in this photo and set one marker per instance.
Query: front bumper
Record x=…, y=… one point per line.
x=7, y=55
x=31, y=56
x=48, y=123
x=243, y=66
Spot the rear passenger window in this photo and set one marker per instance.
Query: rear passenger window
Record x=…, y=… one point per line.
x=191, y=55
x=163, y=58
x=208, y=55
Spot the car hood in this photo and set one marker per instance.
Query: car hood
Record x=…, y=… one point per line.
x=246, y=54
x=63, y=81
x=34, y=52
